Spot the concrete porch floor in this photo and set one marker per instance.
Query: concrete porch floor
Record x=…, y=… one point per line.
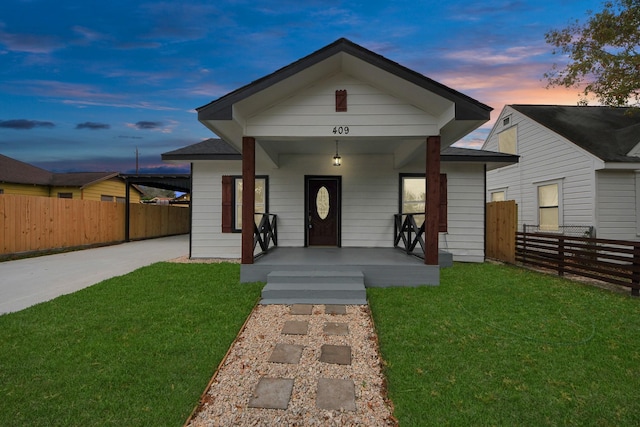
x=382, y=267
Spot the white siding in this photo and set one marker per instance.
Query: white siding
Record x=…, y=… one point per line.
x=370, y=112
x=616, y=205
x=370, y=198
x=544, y=156
x=465, y=228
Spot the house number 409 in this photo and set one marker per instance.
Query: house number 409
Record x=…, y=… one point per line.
x=341, y=130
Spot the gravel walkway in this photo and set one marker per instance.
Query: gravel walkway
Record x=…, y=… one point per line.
x=317, y=378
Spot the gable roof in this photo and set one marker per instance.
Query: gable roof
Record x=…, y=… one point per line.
x=469, y=108
x=608, y=133
x=454, y=114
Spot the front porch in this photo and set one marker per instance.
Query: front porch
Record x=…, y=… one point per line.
x=381, y=267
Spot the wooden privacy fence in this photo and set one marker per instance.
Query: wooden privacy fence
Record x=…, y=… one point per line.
x=32, y=224
x=501, y=226
x=611, y=261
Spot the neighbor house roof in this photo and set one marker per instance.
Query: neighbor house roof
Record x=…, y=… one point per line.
x=608, y=133
x=17, y=172
x=81, y=179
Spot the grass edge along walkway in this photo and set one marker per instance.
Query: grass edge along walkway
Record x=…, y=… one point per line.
x=500, y=345
x=137, y=349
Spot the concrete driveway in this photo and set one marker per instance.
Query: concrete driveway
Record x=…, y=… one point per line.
x=26, y=282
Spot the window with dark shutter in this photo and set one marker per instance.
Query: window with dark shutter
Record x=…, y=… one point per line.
x=443, y=203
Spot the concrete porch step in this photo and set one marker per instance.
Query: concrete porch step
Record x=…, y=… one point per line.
x=314, y=287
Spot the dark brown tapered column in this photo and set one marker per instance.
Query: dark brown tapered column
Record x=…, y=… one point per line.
x=432, y=207
x=248, y=197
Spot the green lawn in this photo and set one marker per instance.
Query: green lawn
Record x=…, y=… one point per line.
x=499, y=345
x=492, y=345
x=135, y=350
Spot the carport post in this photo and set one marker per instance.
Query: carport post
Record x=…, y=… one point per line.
x=127, y=210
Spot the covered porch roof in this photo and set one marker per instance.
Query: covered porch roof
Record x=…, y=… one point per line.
x=290, y=111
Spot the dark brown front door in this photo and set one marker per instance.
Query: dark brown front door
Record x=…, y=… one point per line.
x=323, y=211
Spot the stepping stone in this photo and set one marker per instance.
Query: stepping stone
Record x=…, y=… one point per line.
x=286, y=353
x=294, y=327
x=335, y=309
x=272, y=393
x=336, y=394
x=338, y=354
x=303, y=309
x=336, y=328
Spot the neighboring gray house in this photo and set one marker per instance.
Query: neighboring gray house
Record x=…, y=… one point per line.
x=579, y=165
x=385, y=126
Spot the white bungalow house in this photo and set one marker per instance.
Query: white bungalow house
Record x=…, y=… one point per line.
x=579, y=166
x=329, y=151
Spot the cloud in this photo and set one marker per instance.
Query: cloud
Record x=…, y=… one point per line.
x=92, y=126
x=147, y=125
x=154, y=126
x=24, y=124
x=30, y=43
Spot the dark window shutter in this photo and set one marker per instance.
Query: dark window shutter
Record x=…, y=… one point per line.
x=227, y=204
x=442, y=226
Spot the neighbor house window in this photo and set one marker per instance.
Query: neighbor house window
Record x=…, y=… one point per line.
x=1, y=190
x=507, y=141
x=104, y=198
x=121, y=200
x=549, y=207
x=413, y=197
x=498, y=196
x=232, y=201
x=65, y=195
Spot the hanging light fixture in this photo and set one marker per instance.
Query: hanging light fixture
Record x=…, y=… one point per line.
x=337, y=160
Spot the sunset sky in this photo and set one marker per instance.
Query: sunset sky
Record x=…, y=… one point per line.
x=83, y=83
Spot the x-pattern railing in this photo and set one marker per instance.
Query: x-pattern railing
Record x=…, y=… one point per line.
x=265, y=232
x=408, y=231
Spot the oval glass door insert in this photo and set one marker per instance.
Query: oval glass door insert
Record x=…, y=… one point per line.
x=322, y=202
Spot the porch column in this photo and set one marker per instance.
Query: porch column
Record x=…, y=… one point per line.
x=248, y=197
x=432, y=206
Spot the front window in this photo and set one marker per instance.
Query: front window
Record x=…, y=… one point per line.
x=414, y=196
x=65, y=195
x=260, y=204
x=548, y=207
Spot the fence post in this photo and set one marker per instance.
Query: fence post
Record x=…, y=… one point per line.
x=524, y=244
x=561, y=256
x=635, y=280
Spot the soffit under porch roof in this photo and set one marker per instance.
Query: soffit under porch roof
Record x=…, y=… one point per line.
x=450, y=114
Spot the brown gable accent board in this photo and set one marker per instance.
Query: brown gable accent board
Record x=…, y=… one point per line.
x=341, y=100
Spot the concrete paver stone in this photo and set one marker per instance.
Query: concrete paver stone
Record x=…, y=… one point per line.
x=335, y=309
x=295, y=327
x=286, y=353
x=331, y=328
x=338, y=354
x=336, y=394
x=272, y=393
x=301, y=309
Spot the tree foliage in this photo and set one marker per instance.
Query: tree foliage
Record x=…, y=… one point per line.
x=602, y=54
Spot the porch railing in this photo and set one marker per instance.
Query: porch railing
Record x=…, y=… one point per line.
x=265, y=233
x=406, y=230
